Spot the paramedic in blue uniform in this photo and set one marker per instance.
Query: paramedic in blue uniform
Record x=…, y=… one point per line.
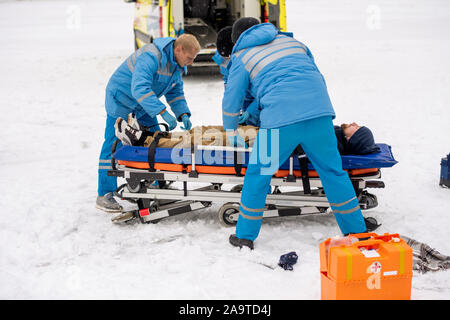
x=152, y=71
x=250, y=108
x=295, y=109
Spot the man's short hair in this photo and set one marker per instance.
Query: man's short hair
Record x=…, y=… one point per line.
x=188, y=42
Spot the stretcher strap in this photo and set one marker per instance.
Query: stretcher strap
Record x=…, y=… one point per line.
x=303, y=163
x=152, y=150
x=237, y=164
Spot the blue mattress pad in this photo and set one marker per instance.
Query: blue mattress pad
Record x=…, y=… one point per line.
x=382, y=159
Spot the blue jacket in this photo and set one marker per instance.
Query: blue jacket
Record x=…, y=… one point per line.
x=145, y=76
x=249, y=104
x=280, y=73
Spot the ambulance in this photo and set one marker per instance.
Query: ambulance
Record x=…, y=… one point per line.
x=202, y=18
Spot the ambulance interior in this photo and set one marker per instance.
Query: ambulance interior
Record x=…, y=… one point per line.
x=204, y=19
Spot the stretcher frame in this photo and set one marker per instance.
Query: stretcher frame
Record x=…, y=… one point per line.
x=157, y=203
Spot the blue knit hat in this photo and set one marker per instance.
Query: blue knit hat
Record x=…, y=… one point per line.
x=362, y=142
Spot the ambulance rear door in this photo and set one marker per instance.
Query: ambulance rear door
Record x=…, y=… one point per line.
x=275, y=13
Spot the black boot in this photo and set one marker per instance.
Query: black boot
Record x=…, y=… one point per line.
x=235, y=241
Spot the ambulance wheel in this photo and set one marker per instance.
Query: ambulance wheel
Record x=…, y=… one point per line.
x=228, y=214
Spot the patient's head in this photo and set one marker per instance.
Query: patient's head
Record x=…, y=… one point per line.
x=360, y=139
x=349, y=129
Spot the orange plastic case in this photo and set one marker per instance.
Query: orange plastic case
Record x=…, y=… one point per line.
x=379, y=268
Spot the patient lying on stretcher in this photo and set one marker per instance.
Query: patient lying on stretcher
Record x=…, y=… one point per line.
x=351, y=138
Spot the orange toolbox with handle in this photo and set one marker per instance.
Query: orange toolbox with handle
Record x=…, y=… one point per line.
x=376, y=268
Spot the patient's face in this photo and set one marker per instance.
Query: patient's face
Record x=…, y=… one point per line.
x=350, y=129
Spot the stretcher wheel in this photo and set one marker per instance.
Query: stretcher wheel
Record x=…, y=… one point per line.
x=153, y=208
x=367, y=200
x=135, y=186
x=237, y=188
x=228, y=214
x=206, y=204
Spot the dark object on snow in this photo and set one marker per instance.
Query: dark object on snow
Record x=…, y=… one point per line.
x=240, y=25
x=426, y=258
x=445, y=172
x=237, y=242
x=224, y=43
x=288, y=260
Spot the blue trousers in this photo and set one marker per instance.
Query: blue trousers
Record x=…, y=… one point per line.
x=107, y=183
x=272, y=148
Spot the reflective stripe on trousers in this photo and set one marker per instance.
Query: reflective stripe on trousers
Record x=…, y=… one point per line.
x=346, y=207
x=106, y=183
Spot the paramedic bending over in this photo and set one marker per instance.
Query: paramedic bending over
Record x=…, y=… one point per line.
x=296, y=109
x=153, y=71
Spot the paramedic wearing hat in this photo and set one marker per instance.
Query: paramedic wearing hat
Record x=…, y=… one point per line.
x=250, y=107
x=153, y=71
x=296, y=109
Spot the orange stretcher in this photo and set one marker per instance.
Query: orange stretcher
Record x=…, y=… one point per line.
x=142, y=166
x=230, y=170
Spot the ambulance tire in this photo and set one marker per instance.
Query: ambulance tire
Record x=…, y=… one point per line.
x=228, y=214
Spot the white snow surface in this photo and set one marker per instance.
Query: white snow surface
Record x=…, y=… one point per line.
x=386, y=65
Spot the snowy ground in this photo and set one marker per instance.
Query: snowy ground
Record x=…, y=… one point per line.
x=386, y=65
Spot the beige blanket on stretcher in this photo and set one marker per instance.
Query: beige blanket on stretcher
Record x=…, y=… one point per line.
x=202, y=135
